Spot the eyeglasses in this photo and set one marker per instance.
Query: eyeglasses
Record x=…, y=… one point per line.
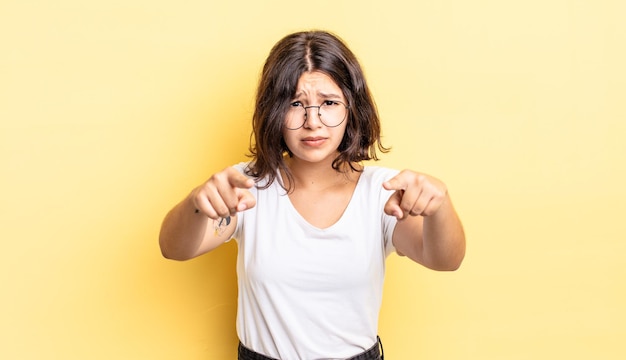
x=331, y=113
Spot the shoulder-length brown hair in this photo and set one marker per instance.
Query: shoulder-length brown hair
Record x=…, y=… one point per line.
x=289, y=58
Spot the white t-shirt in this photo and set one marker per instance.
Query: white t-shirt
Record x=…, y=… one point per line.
x=307, y=293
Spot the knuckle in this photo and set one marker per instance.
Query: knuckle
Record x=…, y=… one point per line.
x=207, y=187
x=222, y=211
x=218, y=177
x=223, y=175
x=198, y=196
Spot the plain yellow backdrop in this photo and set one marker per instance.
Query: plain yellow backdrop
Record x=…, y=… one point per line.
x=111, y=111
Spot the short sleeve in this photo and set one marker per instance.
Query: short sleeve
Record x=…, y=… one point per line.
x=388, y=222
x=241, y=216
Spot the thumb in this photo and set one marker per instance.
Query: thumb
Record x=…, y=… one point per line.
x=392, y=206
x=245, y=200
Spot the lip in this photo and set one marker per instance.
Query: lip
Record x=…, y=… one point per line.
x=314, y=140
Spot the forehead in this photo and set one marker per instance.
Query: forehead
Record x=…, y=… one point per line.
x=317, y=83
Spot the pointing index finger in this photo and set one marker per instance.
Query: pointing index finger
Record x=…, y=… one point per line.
x=239, y=180
x=394, y=184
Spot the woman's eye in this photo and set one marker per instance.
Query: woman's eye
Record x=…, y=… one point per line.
x=296, y=104
x=330, y=103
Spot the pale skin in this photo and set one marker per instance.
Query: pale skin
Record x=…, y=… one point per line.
x=428, y=230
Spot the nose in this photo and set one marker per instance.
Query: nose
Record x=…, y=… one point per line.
x=313, y=120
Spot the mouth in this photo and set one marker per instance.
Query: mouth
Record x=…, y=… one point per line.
x=314, y=140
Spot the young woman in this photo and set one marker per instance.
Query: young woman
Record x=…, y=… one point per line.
x=312, y=224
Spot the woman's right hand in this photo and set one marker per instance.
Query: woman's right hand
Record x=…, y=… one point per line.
x=224, y=194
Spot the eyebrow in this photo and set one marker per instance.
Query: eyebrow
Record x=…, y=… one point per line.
x=331, y=96
x=321, y=94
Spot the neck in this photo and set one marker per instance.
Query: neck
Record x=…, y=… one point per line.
x=319, y=175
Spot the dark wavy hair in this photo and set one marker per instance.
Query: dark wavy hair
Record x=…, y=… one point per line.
x=289, y=58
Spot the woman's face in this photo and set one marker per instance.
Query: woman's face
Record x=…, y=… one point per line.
x=314, y=141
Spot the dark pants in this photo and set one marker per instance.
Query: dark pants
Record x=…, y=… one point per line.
x=374, y=353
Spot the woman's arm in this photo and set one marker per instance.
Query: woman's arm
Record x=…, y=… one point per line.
x=429, y=230
x=207, y=217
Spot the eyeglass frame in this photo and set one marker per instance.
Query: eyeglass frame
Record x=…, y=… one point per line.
x=306, y=113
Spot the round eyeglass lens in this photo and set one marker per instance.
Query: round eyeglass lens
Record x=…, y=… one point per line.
x=331, y=113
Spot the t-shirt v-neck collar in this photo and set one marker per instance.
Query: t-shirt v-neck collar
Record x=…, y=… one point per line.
x=305, y=222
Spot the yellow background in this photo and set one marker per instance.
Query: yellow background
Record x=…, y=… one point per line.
x=111, y=111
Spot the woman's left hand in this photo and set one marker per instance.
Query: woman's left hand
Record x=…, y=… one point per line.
x=415, y=194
